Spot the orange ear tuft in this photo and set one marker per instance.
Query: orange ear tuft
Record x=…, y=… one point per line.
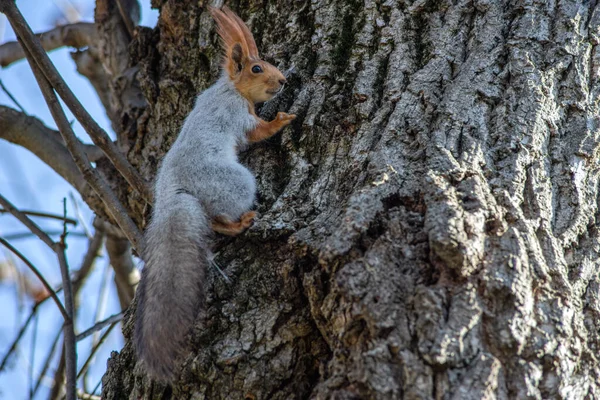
x=249, y=39
x=233, y=31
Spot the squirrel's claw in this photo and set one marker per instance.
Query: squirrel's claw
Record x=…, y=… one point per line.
x=222, y=224
x=285, y=117
x=247, y=220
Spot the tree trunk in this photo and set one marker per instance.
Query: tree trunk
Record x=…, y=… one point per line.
x=428, y=224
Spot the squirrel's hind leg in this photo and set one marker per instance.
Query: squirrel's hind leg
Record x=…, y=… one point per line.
x=225, y=226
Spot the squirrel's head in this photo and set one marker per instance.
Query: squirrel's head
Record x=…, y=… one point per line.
x=255, y=79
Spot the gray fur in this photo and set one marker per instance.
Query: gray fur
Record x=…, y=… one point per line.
x=200, y=178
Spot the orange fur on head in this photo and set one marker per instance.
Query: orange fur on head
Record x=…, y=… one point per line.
x=241, y=55
x=232, y=31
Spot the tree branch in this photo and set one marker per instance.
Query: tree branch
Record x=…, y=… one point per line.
x=47, y=362
x=23, y=235
x=39, y=57
x=37, y=273
x=87, y=362
x=96, y=181
x=76, y=35
x=99, y=325
x=32, y=226
x=89, y=65
x=13, y=346
x=10, y=96
x=129, y=24
x=32, y=134
x=127, y=275
x=88, y=260
x=45, y=215
x=68, y=328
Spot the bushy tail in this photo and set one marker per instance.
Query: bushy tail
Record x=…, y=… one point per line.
x=171, y=291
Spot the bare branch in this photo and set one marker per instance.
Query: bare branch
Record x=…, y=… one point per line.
x=39, y=57
x=10, y=96
x=39, y=275
x=89, y=65
x=95, y=349
x=79, y=215
x=99, y=325
x=88, y=260
x=59, y=248
x=59, y=379
x=91, y=395
x=46, y=215
x=42, y=141
x=80, y=276
x=76, y=35
x=118, y=248
x=93, y=153
x=23, y=235
x=70, y=348
x=69, y=325
x=47, y=361
x=126, y=274
x=87, y=396
x=8, y=206
x=47, y=144
x=96, y=181
x=13, y=346
x=126, y=17
x=36, y=324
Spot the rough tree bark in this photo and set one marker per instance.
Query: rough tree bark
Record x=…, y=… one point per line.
x=428, y=224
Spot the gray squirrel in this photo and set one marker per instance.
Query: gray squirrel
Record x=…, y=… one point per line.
x=201, y=187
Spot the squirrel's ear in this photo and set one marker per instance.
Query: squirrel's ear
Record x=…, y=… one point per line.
x=237, y=56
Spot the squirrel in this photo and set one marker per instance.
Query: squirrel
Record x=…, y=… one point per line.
x=201, y=187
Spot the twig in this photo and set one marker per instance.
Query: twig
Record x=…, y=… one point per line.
x=96, y=181
x=102, y=297
x=70, y=12
x=99, y=314
x=218, y=268
x=126, y=18
x=78, y=282
x=38, y=56
x=68, y=328
x=45, y=215
x=26, y=221
x=87, y=396
x=99, y=325
x=45, y=143
x=32, y=360
x=97, y=386
x=59, y=378
x=79, y=215
x=11, y=97
x=95, y=245
x=23, y=235
x=13, y=346
x=103, y=294
x=39, y=275
x=59, y=249
x=77, y=35
x=95, y=349
x=126, y=274
x=47, y=361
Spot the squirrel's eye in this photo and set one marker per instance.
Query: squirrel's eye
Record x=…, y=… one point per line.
x=257, y=69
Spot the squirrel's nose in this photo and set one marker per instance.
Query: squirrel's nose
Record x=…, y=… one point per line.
x=282, y=81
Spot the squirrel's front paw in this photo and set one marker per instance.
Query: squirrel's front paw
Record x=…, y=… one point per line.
x=285, y=118
x=247, y=220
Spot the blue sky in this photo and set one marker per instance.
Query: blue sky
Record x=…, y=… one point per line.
x=30, y=184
